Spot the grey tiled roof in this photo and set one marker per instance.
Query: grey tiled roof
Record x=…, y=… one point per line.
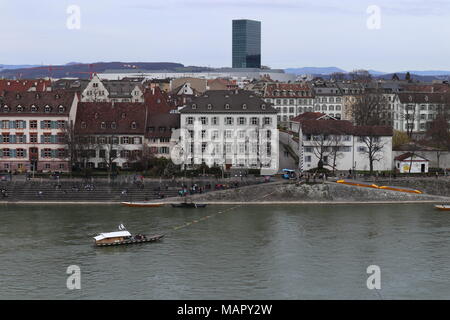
x=225, y=101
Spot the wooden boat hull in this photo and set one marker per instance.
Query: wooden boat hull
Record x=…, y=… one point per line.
x=133, y=241
x=142, y=204
x=442, y=208
x=188, y=205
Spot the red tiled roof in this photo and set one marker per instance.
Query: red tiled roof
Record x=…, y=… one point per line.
x=373, y=131
x=24, y=85
x=308, y=116
x=407, y=155
x=294, y=88
x=334, y=127
x=122, y=114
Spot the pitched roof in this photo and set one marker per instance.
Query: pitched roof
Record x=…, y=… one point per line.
x=161, y=125
x=292, y=90
x=227, y=101
x=91, y=115
x=421, y=97
x=333, y=127
x=385, y=131
x=24, y=85
x=408, y=155
x=308, y=116
x=39, y=100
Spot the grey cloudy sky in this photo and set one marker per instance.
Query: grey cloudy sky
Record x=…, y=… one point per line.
x=414, y=34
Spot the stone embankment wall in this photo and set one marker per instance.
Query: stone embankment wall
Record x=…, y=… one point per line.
x=326, y=192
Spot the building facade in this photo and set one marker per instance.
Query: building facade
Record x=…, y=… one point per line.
x=229, y=129
x=246, y=44
x=34, y=129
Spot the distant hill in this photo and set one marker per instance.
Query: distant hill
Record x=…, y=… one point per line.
x=82, y=70
x=12, y=67
x=314, y=70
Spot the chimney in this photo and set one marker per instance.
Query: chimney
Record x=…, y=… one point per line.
x=153, y=91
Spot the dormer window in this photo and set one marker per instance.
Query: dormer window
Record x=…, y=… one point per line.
x=83, y=125
x=244, y=106
x=263, y=106
x=5, y=109
x=19, y=108
x=194, y=106
x=103, y=125
x=57, y=96
x=33, y=108
x=123, y=115
x=47, y=109
x=209, y=106
x=227, y=106
x=426, y=98
x=96, y=115
x=113, y=125
x=38, y=95
x=133, y=125
x=61, y=109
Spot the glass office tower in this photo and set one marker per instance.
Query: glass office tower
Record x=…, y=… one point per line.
x=246, y=44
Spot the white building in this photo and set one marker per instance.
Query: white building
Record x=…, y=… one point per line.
x=99, y=90
x=340, y=145
x=289, y=99
x=230, y=129
x=411, y=163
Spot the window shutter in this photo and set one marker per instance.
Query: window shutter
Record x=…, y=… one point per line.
x=1, y=138
x=53, y=139
x=11, y=125
x=13, y=139
x=54, y=153
x=42, y=138
x=13, y=153
x=25, y=153
x=24, y=138
x=42, y=124
x=24, y=124
x=1, y=152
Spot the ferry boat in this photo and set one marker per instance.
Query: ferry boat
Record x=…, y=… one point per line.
x=442, y=207
x=188, y=205
x=143, y=204
x=123, y=237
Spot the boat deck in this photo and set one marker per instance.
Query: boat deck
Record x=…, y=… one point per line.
x=134, y=241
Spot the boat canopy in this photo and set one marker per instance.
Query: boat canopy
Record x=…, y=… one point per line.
x=102, y=236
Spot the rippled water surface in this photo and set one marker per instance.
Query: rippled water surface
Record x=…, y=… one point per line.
x=255, y=252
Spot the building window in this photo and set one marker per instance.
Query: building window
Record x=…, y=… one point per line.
x=83, y=125
x=103, y=125
x=241, y=121
x=33, y=124
x=190, y=120
x=215, y=121
x=228, y=120
x=133, y=125
x=254, y=121
x=20, y=153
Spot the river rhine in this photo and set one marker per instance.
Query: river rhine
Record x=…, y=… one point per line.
x=253, y=252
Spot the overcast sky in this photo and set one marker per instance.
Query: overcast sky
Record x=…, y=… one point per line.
x=414, y=34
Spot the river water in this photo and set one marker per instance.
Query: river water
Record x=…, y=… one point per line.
x=254, y=252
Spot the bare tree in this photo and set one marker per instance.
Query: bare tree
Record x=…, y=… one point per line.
x=109, y=150
x=373, y=146
x=369, y=108
x=336, y=146
x=77, y=146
